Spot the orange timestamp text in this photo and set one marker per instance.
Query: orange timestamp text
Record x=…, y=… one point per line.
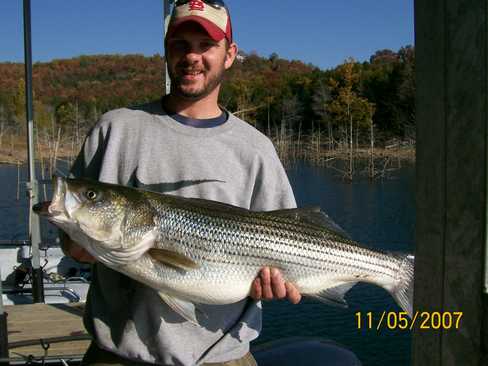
x=400, y=320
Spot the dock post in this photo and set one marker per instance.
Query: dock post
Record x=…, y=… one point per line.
x=451, y=67
x=3, y=330
x=32, y=187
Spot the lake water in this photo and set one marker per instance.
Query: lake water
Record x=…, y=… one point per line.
x=380, y=214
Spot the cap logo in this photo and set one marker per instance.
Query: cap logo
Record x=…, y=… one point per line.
x=214, y=18
x=196, y=5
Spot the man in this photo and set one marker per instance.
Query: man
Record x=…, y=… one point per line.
x=184, y=145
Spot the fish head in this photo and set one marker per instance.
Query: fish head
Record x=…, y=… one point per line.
x=90, y=206
x=95, y=213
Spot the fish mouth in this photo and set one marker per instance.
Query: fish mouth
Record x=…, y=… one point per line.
x=42, y=208
x=54, y=209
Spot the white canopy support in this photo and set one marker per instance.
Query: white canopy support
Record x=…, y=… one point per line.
x=32, y=185
x=166, y=14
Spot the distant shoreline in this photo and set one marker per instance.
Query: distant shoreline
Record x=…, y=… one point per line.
x=406, y=153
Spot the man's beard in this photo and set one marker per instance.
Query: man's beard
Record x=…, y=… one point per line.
x=177, y=85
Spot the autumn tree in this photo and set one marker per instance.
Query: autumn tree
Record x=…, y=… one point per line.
x=406, y=91
x=18, y=103
x=389, y=83
x=348, y=108
x=321, y=98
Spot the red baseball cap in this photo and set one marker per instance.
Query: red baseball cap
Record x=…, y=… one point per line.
x=212, y=15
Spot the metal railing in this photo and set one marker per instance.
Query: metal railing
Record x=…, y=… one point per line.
x=8, y=244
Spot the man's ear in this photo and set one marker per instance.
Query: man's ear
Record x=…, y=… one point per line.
x=230, y=55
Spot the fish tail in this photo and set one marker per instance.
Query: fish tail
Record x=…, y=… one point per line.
x=403, y=291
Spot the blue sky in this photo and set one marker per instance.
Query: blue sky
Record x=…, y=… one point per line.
x=322, y=32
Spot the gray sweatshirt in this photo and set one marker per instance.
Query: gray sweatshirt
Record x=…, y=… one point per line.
x=231, y=163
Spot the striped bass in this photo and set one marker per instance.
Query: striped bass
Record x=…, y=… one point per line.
x=199, y=251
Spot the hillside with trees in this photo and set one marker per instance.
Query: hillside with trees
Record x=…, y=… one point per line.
x=290, y=101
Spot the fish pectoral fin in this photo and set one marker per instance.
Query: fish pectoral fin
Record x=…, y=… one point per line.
x=334, y=295
x=173, y=259
x=185, y=309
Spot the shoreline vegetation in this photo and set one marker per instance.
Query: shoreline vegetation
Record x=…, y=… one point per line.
x=314, y=149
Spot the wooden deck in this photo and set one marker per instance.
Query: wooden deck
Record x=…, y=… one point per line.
x=58, y=325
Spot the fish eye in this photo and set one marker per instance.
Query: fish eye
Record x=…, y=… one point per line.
x=91, y=195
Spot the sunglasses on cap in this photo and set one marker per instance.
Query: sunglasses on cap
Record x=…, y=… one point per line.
x=214, y=3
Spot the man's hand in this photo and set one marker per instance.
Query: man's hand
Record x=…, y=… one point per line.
x=270, y=285
x=74, y=250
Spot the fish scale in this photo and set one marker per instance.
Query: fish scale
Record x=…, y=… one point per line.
x=198, y=251
x=206, y=239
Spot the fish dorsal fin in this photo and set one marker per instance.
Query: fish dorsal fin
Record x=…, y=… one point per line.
x=213, y=205
x=185, y=309
x=311, y=215
x=173, y=259
x=334, y=295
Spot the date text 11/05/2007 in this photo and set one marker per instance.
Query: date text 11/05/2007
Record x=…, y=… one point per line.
x=400, y=320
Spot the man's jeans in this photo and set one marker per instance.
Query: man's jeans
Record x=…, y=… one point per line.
x=96, y=356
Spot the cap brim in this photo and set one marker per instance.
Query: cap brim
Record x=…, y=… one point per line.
x=213, y=31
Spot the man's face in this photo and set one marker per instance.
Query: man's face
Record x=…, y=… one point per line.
x=196, y=63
